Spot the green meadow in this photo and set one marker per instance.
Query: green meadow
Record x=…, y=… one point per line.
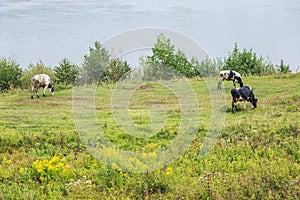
x=255, y=156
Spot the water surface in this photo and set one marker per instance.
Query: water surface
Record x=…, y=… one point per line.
x=49, y=30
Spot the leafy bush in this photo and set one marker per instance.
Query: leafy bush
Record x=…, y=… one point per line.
x=247, y=62
x=283, y=68
x=115, y=70
x=54, y=168
x=99, y=67
x=66, y=72
x=165, y=62
x=94, y=64
x=38, y=68
x=208, y=67
x=10, y=74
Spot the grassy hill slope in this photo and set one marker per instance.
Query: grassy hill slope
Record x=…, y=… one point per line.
x=257, y=155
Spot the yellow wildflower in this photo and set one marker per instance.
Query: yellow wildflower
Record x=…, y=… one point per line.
x=7, y=161
x=169, y=171
x=115, y=166
x=54, y=159
x=42, y=178
x=21, y=170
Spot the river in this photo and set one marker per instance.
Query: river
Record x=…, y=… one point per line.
x=50, y=30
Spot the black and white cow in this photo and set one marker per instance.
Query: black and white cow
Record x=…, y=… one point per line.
x=244, y=93
x=230, y=75
x=41, y=80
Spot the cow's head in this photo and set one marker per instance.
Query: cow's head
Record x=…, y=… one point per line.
x=51, y=88
x=254, y=102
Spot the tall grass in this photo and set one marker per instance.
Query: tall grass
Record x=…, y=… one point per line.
x=257, y=155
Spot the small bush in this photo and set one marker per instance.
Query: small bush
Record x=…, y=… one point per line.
x=10, y=74
x=247, y=62
x=66, y=72
x=283, y=68
x=38, y=68
x=52, y=169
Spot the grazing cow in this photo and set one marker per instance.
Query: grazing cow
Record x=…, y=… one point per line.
x=41, y=80
x=244, y=93
x=229, y=75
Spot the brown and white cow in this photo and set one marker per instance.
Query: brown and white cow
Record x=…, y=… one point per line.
x=230, y=75
x=244, y=93
x=41, y=80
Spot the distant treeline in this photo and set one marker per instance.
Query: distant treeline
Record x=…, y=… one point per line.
x=164, y=63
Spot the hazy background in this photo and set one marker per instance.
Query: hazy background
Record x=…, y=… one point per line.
x=49, y=30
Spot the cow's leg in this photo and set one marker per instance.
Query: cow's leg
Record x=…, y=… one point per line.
x=232, y=106
x=36, y=91
x=32, y=91
x=244, y=105
x=220, y=84
x=44, y=91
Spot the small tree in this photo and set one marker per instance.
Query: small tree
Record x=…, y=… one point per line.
x=208, y=67
x=246, y=62
x=10, y=74
x=99, y=67
x=94, y=64
x=165, y=62
x=115, y=70
x=283, y=68
x=66, y=72
x=183, y=65
x=38, y=68
x=161, y=63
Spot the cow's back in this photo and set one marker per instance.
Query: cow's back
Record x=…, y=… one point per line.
x=41, y=78
x=245, y=92
x=237, y=74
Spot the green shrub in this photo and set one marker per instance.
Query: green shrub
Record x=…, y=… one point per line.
x=66, y=72
x=53, y=169
x=247, y=62
x=99, y=67
x=94, y=64
x=283, y=68
x=166, y=63
x=10, y=74
x=38, y=68
x=115, y=71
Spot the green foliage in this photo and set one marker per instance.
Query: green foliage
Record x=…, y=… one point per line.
x=283, y=68
x=183, y=65
x=208, y=67
x=94, y=64
x=166, y=63
x=66, y=72
x=99, y=67
x=52, y=169
x=10, y=74
x=115, y=70
x=38, y=68
x=246, y=62
x=161, y=63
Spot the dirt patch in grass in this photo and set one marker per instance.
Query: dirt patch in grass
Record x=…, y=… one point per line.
x=77, y=98
x=146, y=87
x=31, y=101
